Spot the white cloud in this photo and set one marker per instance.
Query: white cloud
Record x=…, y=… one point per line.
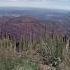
x=13, y=0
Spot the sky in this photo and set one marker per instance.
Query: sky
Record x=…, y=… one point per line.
x=51, y=4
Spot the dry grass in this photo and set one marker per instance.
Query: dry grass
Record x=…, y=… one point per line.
x=44, y=53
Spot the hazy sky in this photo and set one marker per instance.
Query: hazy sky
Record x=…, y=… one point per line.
x=53, y=4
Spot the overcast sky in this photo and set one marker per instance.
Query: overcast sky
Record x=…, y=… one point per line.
x=53, y=4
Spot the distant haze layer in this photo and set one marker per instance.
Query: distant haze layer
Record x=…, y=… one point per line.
x=51, y=4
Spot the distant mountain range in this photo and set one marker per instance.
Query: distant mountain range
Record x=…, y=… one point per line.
x=33, y=23
x=43, y=14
